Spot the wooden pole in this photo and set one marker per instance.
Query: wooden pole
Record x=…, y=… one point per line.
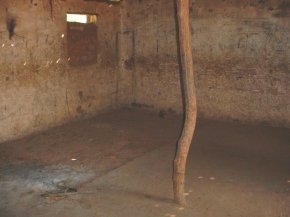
x=190, y=101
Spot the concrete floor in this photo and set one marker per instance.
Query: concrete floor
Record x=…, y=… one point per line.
x=123, y=167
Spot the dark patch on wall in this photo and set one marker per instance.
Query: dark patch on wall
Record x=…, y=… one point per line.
x=149, y=62
x=81, y=95
x=262, y=1
x=10, y=25
x=80, y=110
x=82, y=44
x=140, y=105
x=129, y=64
x=51, y=7
x=283, y=10
x=284, y=5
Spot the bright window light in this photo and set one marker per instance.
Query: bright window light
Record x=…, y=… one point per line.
x=81, y=18
x=77, y=18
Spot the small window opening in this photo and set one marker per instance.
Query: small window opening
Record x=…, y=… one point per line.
x=81, y=18
x=82, y=39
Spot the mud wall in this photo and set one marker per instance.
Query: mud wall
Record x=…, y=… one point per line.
x=241, y=58
x=38, y=88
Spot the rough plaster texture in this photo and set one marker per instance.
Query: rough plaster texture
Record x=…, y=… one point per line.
x=38, y=88
x=241, y=56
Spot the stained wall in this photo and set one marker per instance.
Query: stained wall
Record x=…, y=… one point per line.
x=241, y=58
x=38, y=87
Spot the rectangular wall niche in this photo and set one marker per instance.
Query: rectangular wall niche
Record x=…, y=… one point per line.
x=82, y=39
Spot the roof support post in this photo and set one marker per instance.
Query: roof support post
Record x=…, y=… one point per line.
x=188, y=86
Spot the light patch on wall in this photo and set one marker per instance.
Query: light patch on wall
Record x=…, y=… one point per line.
x=81, y=18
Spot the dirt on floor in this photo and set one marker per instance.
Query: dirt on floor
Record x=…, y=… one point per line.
x=120, y=164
